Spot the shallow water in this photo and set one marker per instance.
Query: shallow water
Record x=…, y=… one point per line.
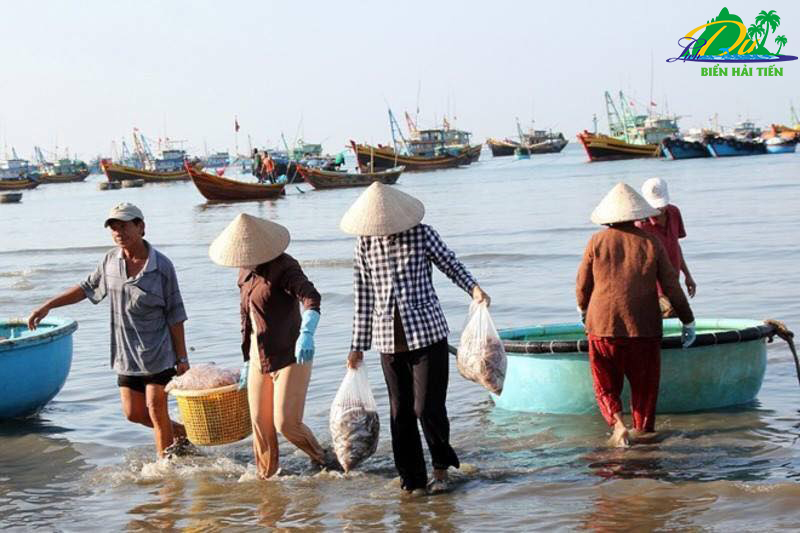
x=520, y=226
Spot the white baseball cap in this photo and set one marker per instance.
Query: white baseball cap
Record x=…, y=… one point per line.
x=124, y=212
x=656, y=193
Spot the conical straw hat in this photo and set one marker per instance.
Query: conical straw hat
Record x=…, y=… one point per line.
x=622, y=204
x=382, y=210
x=248, y=241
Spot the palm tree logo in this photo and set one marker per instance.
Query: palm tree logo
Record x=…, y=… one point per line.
x=755, y=31
x=781, y=40
x=769, y=21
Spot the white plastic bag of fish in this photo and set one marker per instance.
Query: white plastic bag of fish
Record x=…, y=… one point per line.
x=354, y=421
x=481, y=357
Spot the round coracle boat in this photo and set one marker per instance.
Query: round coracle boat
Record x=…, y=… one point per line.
x=548, y=367
x=33, y=364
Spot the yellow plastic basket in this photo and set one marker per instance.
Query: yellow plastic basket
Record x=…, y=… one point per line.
x=214, y=416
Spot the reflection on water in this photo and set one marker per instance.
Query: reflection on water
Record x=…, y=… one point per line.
x=731, y=469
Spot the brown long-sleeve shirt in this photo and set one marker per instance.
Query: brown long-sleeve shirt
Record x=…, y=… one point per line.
x=616, y=284
x=273, y=292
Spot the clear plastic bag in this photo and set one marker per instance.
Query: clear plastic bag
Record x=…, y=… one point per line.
x=354, y=421
x=202, y=377
x=481, y=357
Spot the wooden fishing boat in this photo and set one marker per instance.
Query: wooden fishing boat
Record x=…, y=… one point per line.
x=548, y=367
x=65, y=178
x=673, y=148
x=33, y=364
x=384, y=157
x=601, y=147
x=17, y=184
x=117, y=172
x=474, y=153
x=220, y=189
x=501, y=148
x=331, y=179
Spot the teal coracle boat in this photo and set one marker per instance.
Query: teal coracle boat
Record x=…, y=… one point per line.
x=33, y=364
x=548, y=367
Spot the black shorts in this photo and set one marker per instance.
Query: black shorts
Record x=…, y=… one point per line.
x=139, y=383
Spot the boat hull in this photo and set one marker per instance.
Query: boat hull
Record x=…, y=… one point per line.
x=501, y=148
x=64, y=178
x=33, y=364
x=325, y=179
x=18, y=184
x=219, y=189
x=784, y=148
x=548, y=147
x=604, y=148
x=115, y=172
x=702, y=377
x=724, y=147
x=680, y=149
x=381, y=158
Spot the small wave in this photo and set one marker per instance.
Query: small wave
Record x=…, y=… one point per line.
x=55, y=251
x=327, y=263
x=514, y=256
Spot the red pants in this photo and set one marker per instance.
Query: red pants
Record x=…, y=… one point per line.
x=639, y=359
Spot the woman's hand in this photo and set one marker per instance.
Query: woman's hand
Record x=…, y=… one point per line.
x=354, y=359
x=479, y=296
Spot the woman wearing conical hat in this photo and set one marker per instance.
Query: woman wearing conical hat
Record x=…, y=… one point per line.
x=618, y=300
x=397, y=311
x=277, y=341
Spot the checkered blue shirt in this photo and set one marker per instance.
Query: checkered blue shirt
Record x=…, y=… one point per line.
x=394, y=271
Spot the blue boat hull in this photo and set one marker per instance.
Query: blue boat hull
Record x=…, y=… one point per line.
x=721, y=147
x=33, y=365
x=694, y=379
x=679, y=149
x=788, y=148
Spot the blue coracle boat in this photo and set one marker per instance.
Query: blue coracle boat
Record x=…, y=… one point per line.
x=33, y=364
x=548, y=368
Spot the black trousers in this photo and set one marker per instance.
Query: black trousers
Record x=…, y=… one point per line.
x=417, y=383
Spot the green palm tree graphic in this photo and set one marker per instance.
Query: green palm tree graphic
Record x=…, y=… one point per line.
x=781, y=40
x=769, y=20
x=754, y=32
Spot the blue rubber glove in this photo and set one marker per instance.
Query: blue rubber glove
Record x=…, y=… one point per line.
x=243, y=375
x=304, y=349
x=687, y=335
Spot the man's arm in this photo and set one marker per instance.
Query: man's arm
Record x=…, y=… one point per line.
x=179, y=345
x=71, y=296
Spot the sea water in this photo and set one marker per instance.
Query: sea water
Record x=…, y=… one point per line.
x=520, y=227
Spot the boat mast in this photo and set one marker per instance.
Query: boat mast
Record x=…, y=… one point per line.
x=393, y=124
x=616, y=126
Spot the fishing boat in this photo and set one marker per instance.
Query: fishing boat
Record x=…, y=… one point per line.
x=632, y=135
x=673, y=148
x=327, y=179
x=221, y=189
x=64, y=171
x=779, y=145
x=33, y=364
x=17, y=168
x=501, y=147
x=719, y=146
x=16, y=184
x=548, y=367
x=375, y=158
x=117, y=172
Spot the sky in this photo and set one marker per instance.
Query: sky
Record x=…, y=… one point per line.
x=81, y=74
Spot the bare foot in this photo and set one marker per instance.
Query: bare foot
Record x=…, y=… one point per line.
x=640, y=435
x=620, y=438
